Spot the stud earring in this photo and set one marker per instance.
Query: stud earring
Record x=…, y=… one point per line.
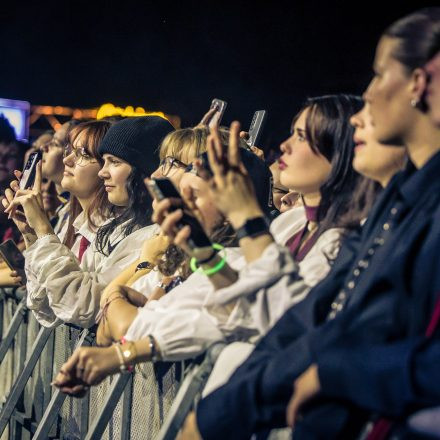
x=414, y=102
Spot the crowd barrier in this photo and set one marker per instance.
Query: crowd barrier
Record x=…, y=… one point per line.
x=150, y=403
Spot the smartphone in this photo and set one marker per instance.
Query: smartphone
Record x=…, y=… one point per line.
x=218, y=115
x=28, y=176
x=13, y=257
x=163, y=188
x=256, y=127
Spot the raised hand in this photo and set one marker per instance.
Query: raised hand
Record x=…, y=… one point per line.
x=230, y=183
x=33, y=216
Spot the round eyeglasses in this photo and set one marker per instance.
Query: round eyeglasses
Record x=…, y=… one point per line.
x=81, y=156
x=167, y=164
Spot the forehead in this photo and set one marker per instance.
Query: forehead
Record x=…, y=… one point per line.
x=384, y=52
x=300, y=121
x=79, y=140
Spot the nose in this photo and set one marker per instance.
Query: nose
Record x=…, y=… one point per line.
x=356, y=121
x=156, y=173
x=285, y=146
x=69, y=160
x=103, y=173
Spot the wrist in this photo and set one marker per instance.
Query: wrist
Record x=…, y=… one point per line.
x=42, y=230
x=29, y=239
x=238, y=219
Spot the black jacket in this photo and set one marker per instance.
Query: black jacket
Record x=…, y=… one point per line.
x=381, y=289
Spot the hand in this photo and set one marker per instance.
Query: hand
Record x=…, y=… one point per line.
x=168, y=220
x=206, y=119
x=231, y=186
x=305, y=388
x=9, y=277
x=17, y=216
x=257, y=151
x=87, y=366
x=154, y=247
x=32, y=204
x=190, y=430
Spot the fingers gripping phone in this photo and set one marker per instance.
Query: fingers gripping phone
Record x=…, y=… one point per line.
x=13, y=257
x=218, y=115
x=29, y=171
x=164, y=189
x=256, y=127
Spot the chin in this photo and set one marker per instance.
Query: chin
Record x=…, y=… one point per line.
x=65, y=184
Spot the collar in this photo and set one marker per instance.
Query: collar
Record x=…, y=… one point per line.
x=416, y=182
x=83, y=228
x=64, y=197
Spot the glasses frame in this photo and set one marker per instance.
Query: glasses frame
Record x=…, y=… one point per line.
x=168, y=163
x=78, y=157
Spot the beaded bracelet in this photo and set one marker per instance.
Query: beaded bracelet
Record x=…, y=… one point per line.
x=211, y=270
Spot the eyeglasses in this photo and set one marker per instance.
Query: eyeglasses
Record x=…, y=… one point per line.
x=170, y=162
x=81, y=156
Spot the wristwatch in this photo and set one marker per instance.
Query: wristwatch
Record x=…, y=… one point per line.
x=253, y=227
x=144, y=265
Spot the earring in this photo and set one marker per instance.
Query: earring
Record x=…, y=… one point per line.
x=414, y=102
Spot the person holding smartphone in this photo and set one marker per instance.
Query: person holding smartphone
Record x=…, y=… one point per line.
x=177, y=307
x=104, y=243
x=215, y=322
x=382, y=287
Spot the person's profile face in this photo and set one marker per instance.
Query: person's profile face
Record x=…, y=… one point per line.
x=389, y=95
x=433, y=89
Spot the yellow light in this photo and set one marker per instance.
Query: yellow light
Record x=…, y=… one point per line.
x=107, y=110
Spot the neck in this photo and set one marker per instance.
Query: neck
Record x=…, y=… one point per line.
x=312, y=199
x=85, y=203
x=311, y=202
x=423, y=142
x=59, y=188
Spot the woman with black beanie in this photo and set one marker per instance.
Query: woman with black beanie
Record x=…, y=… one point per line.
x=72, y=284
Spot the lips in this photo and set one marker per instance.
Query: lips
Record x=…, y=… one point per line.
x=281, y=165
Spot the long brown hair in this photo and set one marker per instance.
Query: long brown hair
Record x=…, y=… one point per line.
x=93, y=132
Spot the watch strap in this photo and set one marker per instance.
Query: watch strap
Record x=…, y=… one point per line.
x=253, y=227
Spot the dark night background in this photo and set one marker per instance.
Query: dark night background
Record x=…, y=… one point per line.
x=177, y=56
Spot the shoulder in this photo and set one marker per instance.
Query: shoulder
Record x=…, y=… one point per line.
x=288, y=223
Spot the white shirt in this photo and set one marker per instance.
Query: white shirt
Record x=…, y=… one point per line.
x=60, y=289
x=192, y=316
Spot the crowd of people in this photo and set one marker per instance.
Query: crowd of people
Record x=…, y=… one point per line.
x=320, y=271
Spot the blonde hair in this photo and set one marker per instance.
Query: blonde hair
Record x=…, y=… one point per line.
x=188, y=143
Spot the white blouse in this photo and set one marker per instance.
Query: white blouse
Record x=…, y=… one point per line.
x=60, y=289
x=193, y=315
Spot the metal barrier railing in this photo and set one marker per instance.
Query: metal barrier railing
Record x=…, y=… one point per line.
x=122, y=407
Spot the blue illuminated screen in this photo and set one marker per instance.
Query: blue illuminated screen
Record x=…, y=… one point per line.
x=17, y=113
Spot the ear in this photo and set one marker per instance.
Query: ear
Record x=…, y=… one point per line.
x=419, y=84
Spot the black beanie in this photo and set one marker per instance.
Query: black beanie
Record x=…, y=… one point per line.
x=260, y=175
x=136, y=140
